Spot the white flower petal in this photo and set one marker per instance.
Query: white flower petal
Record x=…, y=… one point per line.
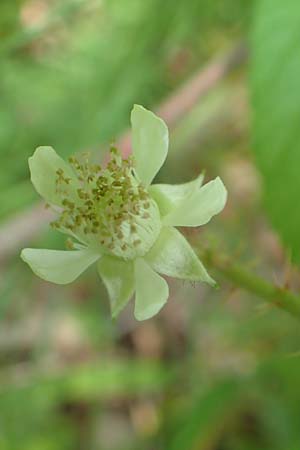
x=118, y=277
x=169, y=196
x=150, y=141
x=200, y=206
x=43, y=165
x=152, y=291
x=58, y=266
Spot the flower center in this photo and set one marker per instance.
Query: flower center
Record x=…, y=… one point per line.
x=108, y=207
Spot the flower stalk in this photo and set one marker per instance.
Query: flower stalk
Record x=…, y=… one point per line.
x=278, y=296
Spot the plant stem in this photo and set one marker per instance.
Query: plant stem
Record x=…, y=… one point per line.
x=281, y=297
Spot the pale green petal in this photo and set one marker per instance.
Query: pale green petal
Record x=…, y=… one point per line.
x=152, y=291
x=150, y=140
x=200, y=206
x=172, y=255
x=169, y=196
x=43, y=165
x=58, y=266
x=118, y=277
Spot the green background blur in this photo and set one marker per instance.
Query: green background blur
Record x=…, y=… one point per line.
x=215, y=370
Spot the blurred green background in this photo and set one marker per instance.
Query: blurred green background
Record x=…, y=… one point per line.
x=215, y=370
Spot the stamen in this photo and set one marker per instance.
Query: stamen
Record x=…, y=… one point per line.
x=111, y=206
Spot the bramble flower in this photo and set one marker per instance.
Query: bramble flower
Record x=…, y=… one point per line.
x=115, y=217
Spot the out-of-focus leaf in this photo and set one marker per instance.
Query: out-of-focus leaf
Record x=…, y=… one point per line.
x=276, y=118
x=202, y=422
x=103, y=380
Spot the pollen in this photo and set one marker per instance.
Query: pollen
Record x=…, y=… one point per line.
x=109, y=207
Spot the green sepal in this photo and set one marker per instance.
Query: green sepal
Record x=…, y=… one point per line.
x=172, y=255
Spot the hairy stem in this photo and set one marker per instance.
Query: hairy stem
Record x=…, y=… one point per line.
x=281, y=297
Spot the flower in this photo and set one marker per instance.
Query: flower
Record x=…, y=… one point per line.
x=121, y=221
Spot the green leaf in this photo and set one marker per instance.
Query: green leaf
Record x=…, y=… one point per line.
x=107, y=379
x=118, y=277
x=43, y=165
x=150, y=141
x=200, y=206
x=202, y=423
x=170, y=196
x=172, y=255
x=152, y=291
x=275, y=88
x=58, y=266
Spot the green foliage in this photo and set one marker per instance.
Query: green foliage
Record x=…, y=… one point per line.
x=45, y=392
x=71, y=80
x=102, y=380
x=206, y=414
x=276, y=110
x=217, y=369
